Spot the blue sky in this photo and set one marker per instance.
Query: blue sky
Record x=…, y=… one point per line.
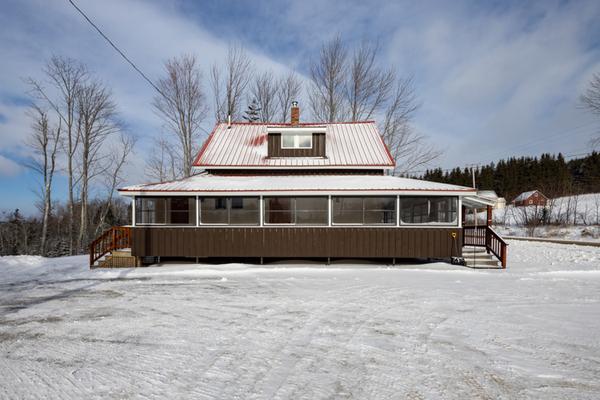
x=495, y=79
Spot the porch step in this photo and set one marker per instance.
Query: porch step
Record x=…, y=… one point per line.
x=472, y=249
x=481, y=263
x=119, y=259
x=121, y=253
x=477, y=257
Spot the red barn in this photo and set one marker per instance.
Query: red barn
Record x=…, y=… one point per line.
x=531, y=198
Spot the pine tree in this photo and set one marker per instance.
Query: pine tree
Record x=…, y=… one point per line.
x=252, y=114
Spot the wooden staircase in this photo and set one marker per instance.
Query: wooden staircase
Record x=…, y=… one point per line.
x=481, y=244
x=112, y=249
x=478, y=257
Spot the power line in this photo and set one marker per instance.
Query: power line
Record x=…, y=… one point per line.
x=114, y=46
x=556, y=135
x=122, y=54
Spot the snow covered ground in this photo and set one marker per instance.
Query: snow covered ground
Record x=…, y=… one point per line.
x=568, y=232
x=303, y=331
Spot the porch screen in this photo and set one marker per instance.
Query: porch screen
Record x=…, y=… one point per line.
x=428, y=210
x=165, y=210
x=296, y=210
x=229, y=210
x=364, y=210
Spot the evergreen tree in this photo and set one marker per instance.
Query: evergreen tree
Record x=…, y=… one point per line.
x=252, y=114
x=549, y=173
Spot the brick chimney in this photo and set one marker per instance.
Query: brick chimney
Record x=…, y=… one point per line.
x=295, y=114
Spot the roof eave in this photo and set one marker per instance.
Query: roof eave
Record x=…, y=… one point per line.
x=292, y=167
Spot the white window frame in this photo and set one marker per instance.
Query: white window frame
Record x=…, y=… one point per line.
x=228, y=201
x=264, y=214
x=297, y=136
x=454, y=224
x=358, y=224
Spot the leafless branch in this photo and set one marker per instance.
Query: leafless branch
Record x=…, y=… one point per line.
x=288, y=90
x=265, y=90
x=229, y=83
x=184, y=107
x=328, y=77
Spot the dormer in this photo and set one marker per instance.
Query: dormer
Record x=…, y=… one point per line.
x=295, y=141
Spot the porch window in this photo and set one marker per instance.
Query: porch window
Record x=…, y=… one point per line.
x=296, y=210
x=229, y=210
x=428, y=210
x=364, y=210
x=165, y=210
x=296, y=141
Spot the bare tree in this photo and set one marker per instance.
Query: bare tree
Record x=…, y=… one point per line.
x=163, y=165
x=369, y=87
x=408, y=147
x=96, y=114
x=44, y=144
x=328, y=77
x=288, y=90
x=229, y=83
x=265, y=90
x=530, y=217
x=113, y=174
x=66, y=76
x=182, y=106
x=591, y=100
x=591, y=97
x=362, y=90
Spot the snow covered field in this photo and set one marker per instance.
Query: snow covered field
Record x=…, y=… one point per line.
x=563, y=213
x=303, y=332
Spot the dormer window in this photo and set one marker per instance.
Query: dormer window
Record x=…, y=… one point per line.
x=296, y=141
x=301, y=140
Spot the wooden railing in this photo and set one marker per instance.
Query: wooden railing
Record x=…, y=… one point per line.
x=117, y=237
x=485, y=236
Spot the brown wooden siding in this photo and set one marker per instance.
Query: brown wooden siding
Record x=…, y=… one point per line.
x=339, y=242
x=275, y=150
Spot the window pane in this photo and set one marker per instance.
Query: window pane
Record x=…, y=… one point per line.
x=311, y=211
x=150, y=210
x=423, y=210
x=414, y=210
x=380, y=210
x=287, y=140
x=181, y=210
x=304, y=140
x=244, y=211
x=213, y=210
x=443, y=209
x=278, y=210
x=347, y=210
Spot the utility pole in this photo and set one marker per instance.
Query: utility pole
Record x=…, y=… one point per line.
x=472, y=166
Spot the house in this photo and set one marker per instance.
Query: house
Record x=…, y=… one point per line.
x=531, y=198
x=292, y=190
x=499, y=202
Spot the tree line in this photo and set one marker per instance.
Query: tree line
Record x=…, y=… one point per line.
x=550, y=173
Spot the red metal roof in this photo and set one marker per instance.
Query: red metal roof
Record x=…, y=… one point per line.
x=206, y=182
x=244, y=145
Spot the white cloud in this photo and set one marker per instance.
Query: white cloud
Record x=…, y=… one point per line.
x=8, y=167
x=494, y=80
